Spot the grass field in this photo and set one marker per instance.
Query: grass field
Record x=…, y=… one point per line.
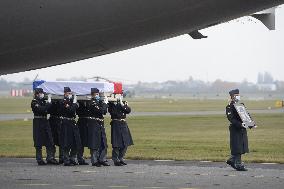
x=22, y=105
x=172, y=137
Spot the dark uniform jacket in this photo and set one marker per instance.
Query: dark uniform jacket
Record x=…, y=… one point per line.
x=69, y=132
x=238, y=134
x=83, y=113
x=96, y=130
x=55, y=121
x=41, y=130
x=120, y=133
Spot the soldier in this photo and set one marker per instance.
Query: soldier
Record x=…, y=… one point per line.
x=83, y=113
x=97, y=141
x=69, y=132
x=41, y=130
x=55, y=124
x=238, y=133
x=120, y=133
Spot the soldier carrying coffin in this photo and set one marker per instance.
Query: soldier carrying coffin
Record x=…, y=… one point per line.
x=42, y=135
x=97, y=141
x=69, y=133
x=120, y=134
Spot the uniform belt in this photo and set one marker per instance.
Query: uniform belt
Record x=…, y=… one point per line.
x=67, y=118
x=95, y=118
x=118, y=119
x=57, y=117
x=40, y=117
x=83, y=117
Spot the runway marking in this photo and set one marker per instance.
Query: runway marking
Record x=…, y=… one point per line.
x=201, y=174
x=258, y=176
x=206, y=161
x=155, y=187
x=88, y=171
x=204, y=174
x=29, y=179
x=163, y=160
x=139, y=172
x=36, y=184
x=187, y=188
x=83, y=185
x=118, y=186
x=230, y=175
x=269, y=163
x=170, y=173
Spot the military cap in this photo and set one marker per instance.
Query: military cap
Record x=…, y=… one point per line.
x=38, y=90
x=233, y=92
x=67, y=89
x=95, y=90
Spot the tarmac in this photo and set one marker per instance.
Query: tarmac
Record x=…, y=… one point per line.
x=6, y=117
x=144, y=174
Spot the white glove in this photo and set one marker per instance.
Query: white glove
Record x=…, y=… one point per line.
x=120, y=100
x=49, y=98
x=244, y=125
x=105, y=100
x=75, y=99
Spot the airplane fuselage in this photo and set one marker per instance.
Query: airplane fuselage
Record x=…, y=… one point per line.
x=42, y=33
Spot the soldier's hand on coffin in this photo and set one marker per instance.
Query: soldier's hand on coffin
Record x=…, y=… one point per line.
x=49, y=98
x=126, y=103
x=75, y=99
x=105, y=100
x=120, y=100
x=244, y=125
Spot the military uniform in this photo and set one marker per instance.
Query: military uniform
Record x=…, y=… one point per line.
x=83, y=114
x=238, y=138
x=69, y=132
x=120, y=134
x=42, y=135
x=55, y=125
x=97, y=141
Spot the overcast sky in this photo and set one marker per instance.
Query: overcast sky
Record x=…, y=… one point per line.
x=233, y=51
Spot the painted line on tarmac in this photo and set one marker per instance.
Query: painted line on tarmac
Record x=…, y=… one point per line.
x=88, y=171
x=206, y=161
x=154, y=187
x=269, y=163
x=163, y=160
x=170, y=173
x=83, y=185
x=258, y=176
x=118, y=186
x=36, y=184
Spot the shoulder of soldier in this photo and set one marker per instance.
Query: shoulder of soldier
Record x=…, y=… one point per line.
x=230, y=105
x=34, y=101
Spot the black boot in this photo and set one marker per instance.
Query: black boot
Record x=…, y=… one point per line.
x=97, y=164
x=117, y=163
x=73, y=162
x=61, y=161
x=52, y=162
x=104, y=163
x=83, y=162
x=238, y=164
x=241, y=168
x=68, y=163
x=41, y=162
x=123, y=162
x=231, y=162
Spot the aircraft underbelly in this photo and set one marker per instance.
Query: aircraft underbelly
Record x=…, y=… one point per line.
x=40, y=33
